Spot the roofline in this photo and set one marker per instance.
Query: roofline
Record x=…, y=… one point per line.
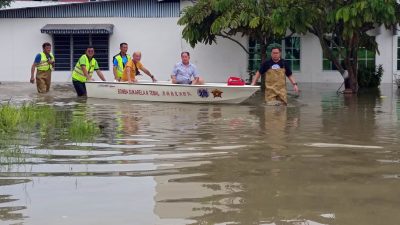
x=111, y=8
x=55, y=5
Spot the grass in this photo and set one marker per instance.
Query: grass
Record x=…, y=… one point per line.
x=24, y=118
x=9, y=118
x=11, y=154
x=19, y=122
x=82, y=130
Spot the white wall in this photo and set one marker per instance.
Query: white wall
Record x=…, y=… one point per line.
x=311, y=59
x=218, y=62
x=160, y=42
x=19, y=45
x=386, y=54
x=395, y=50
x=158, y=39
x=311, y=63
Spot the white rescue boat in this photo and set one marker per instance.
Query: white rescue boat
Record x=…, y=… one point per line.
x=167, y=92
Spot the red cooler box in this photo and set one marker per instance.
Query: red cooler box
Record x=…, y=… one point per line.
x=236, y=81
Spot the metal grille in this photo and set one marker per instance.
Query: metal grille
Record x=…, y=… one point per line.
x=69, y=48
x=122, y=8
x=101, y=46
x=62, y=52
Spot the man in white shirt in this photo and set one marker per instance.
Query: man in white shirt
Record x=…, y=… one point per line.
x=185, y=72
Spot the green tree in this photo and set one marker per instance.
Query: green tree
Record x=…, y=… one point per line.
x=207, y=20
x=345, y=25
x=4, y=3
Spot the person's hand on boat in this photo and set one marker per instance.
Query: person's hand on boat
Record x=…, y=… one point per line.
x=132, y=81
x=32, y=80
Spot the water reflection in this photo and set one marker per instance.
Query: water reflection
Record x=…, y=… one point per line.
x=398, y=105
x=211, y=164
x=348, y=111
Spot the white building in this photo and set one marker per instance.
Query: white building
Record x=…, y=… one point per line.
x=150, y=26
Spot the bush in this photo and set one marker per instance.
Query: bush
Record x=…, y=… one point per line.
x=370, y=78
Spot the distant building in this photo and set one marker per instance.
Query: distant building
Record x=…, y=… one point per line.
x=151, y=27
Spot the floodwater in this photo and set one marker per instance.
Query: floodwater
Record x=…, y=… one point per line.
x=325, y=159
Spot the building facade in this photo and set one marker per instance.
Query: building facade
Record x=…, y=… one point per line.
x=150, y=26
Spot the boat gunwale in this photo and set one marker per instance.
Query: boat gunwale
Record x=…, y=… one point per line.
x=218, y=85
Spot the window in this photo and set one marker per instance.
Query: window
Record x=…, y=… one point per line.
x=366, y=59
x=290, y=52
x=398, y=53
x=62, y=52
x=68, y=48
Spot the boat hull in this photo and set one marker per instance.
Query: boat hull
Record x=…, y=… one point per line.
x=166, y=92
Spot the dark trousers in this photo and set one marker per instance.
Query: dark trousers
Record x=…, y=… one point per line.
x=80, y=87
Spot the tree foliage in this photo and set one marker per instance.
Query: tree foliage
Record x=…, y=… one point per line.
x=345, y=25
x=5, y=3
x=207, y=20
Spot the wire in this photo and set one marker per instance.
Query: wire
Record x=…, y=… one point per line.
x=340, y=92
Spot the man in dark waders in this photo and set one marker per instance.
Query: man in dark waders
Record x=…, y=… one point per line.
x=275, y=72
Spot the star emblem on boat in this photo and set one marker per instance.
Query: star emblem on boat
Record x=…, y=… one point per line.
x=217, y=93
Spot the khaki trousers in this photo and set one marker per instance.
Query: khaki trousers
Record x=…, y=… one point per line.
x=275, y=86
x=43, y=80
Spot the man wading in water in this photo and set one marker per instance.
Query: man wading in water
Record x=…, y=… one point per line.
x=43, y=64
x=275, y=70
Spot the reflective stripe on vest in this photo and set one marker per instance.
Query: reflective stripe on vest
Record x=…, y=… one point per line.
x=44, y=64
x=78, y=75
x=121, y=65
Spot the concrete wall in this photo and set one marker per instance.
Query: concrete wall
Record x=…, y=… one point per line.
x=160, y=42
x=386, y=54
x=311, y=63
x=311, y=59
x=158, y=39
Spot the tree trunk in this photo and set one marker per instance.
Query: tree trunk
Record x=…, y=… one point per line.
x=263, y=54
x=351, y=83
x=351, y=64
x=263, y=49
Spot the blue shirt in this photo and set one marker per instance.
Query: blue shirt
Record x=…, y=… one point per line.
x=124, y=61
x=38, y=58
x=184, y=73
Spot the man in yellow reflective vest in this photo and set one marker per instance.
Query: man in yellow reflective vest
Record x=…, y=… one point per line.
x=120, y=60
x=43, y=64
x=83, y=71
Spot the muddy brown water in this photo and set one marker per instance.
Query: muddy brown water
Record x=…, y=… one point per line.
x=325, y=159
